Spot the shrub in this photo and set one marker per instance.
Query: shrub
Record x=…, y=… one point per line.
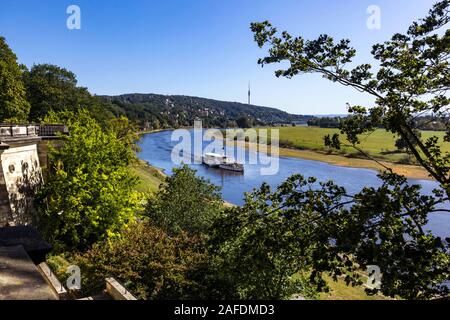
x=89, y=195
x=185, y=202
x=147, y=261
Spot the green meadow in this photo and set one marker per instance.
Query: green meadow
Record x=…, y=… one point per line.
x=149, y=177
x=379, y=144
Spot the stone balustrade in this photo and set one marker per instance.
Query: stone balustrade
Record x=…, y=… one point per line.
x=23, y=156
x=17, y=131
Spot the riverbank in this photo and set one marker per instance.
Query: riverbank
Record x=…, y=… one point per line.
x=379, y=144
x=150, y=178
x=307, y=143
x=410, y=171
x=349, y=160
x=143, y=132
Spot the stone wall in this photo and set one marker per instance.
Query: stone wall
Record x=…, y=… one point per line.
x=20, y=175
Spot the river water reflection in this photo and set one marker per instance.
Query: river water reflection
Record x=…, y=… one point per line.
x=156, y=149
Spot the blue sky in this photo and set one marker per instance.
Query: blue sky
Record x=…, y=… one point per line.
x=197, y=47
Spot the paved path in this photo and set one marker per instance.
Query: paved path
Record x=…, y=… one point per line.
x=20, y=278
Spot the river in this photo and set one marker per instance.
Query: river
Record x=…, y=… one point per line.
x=156, y=149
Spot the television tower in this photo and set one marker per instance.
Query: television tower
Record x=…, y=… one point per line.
x=249, y=92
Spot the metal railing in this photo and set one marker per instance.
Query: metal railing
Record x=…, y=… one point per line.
x=31, y=130
x=51, y=130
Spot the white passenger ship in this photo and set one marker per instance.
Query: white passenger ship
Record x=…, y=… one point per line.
x=221, y=161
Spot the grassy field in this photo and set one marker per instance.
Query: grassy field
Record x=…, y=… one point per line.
x=380, y=143
x=150, y=177
x=340, y=291
x=307, y=143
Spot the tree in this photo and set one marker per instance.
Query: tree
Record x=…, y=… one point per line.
x=149, y=262
x=257, y=253
x=383, y=226
x=243, y=122
x=14, y=106
x=185, y=202
x=156, y=124
x=412, y=80
x=126, y=132
x=89, y=195
x=306, y=227
x=52, y=88
x=401, y=144
x=325, y=122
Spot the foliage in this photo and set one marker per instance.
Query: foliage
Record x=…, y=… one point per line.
x=385, y=225
x=402, y=144
x=412, y=80
x=59, y=265
x=13, y=104
x=425, y=122
x=325, y=122
x=431, y=123
x=52, y=88
x=147, y=261
x=258, y=252
x=126, y=132
x=305, y=226
x=89, y=194
x=153, y=111
x=185, y=202
x=341, y=291
x=244, y=122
